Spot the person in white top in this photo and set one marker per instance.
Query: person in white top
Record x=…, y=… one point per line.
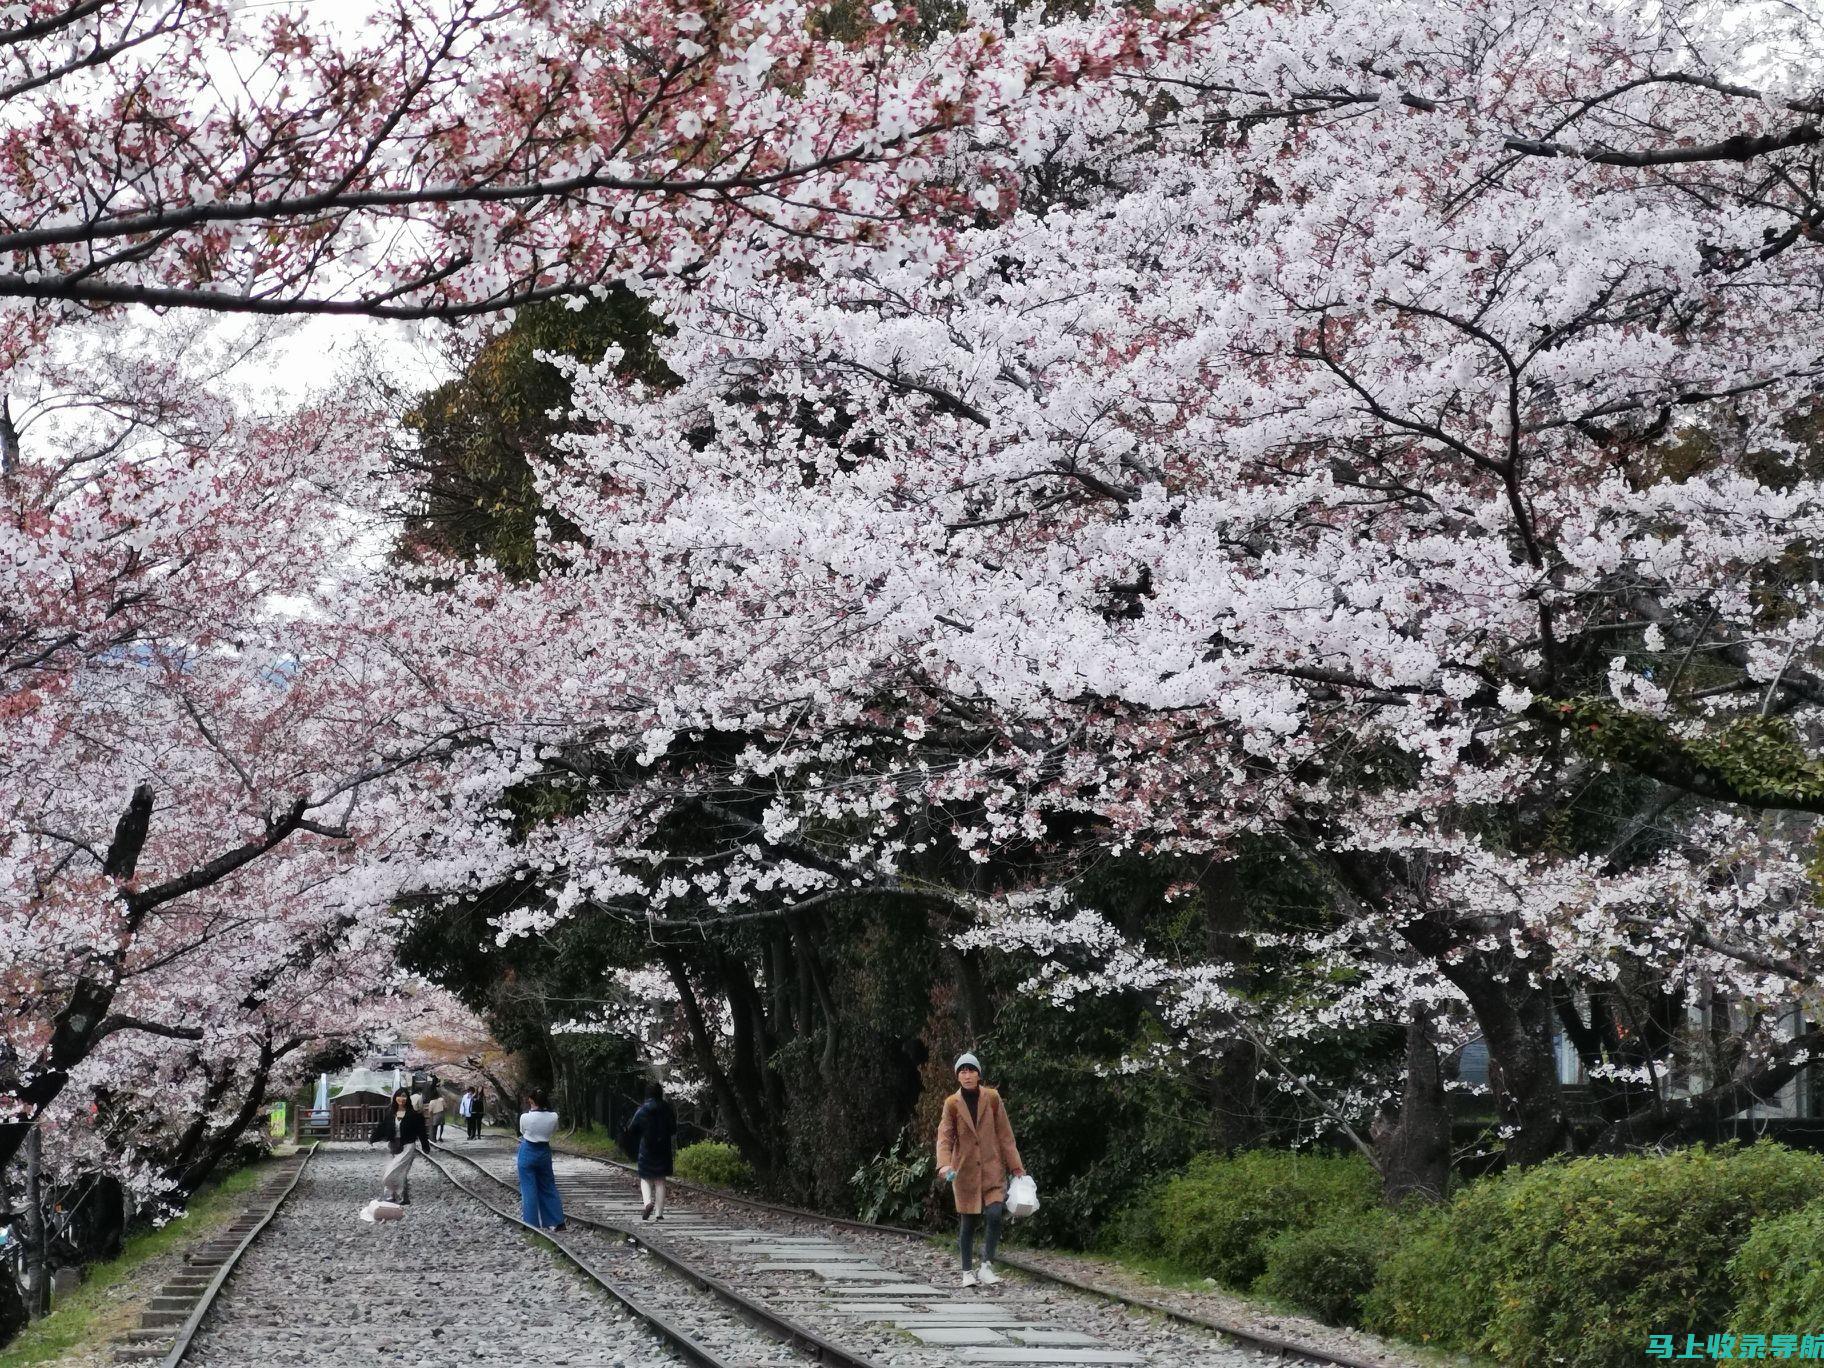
x=539, y=1204
x=465, y=1108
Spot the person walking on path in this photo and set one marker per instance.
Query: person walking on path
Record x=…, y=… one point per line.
x=433, y=1111
x=465, y=1108
x=477, y=1112
x=975, y=1155
x=538, y=1201
x=648, y=1137
x=402, y=1127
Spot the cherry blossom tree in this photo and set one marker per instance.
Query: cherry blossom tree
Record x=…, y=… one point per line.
x=450, y=158
x=1362, y=430
x=201, y=680
x=173, y=718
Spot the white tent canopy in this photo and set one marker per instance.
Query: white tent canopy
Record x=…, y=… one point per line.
x=370, y=1080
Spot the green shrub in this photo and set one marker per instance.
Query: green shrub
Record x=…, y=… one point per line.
x=1420, y=1292
x=1578, y=1262
x=714, y=1164
x=1135, y=1227
x=1779, y=1281
x=891, y=1188
x=1328, y=1269
x=1219, y=1215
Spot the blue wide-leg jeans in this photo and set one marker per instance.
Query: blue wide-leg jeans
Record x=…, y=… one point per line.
x=538, y=1200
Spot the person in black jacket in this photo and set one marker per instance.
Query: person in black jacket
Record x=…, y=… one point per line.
x=403, y=1130
x=648, y=1138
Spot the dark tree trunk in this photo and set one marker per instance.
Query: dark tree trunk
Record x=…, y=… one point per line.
x=1413, y=1153
x=191, y=1141
x=94, y=1229
x=1516, y=1020
x=1231, y=1085
x=1534, y=1099
x=972, y=999
x=751, y=1069
x=1515, y=1016
x=811, y=967
x=199, y=1168
x=37, y=1252
x=788, y=992
x=734, y=1116
x=1690, y=1118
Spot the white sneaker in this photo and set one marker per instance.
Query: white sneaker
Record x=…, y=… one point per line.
x=987, y=1274
x=968, y=1277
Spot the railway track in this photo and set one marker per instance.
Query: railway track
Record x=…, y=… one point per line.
x=872, y=1296
x=314, y=1286
x=722, y=1282
x=167, y=1326
x=1277, y=1347
x=695, y=1315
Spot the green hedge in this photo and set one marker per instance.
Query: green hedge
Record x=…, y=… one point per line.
x=1328, y=1269
x=714, y=1164
x=1218, y=1217
x=1578, y=1262
x=1778, y=1277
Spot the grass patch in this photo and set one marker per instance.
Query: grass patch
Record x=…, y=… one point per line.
x=89, y=1317
x=595, y=1142
x=1166, y=1272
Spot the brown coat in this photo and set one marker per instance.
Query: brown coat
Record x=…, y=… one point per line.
x=981, y=1151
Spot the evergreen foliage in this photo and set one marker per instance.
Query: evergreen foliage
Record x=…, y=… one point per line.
x=1778, y=1277
x=715, y=1163
x=477, y=436
x=1222, y=1214
x=1577, y=1262
x=1327, y=1270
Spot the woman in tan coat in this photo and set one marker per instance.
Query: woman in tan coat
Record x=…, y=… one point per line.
x=975, y=1155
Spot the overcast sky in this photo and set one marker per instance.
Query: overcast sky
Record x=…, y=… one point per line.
x=312, y=356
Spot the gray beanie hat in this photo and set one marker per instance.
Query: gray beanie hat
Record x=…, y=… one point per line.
x=967, y=1061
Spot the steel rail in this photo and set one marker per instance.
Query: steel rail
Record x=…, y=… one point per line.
x=187, y=1331
x=761, y=1316
x=680, y=1339
x=1253, y=1339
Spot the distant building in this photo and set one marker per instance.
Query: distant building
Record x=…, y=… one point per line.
x=1800, y=1098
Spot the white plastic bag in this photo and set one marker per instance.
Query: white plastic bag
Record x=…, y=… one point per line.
x=1022, y=1196
x=378, y=1210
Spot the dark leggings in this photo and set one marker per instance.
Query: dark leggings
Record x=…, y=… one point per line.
x=993, y=1212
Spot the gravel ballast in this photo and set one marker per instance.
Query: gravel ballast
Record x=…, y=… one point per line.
x=896, y=1302
x=451, y=1283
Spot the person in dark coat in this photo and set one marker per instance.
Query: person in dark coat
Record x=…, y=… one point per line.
x=403, y=1130
x=648, y=1137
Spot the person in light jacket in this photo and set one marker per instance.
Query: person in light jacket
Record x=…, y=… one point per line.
x=648, y=1137
x=539, y=1204
x=434, y=1106
x=402, y=1127
x=975, y=1155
